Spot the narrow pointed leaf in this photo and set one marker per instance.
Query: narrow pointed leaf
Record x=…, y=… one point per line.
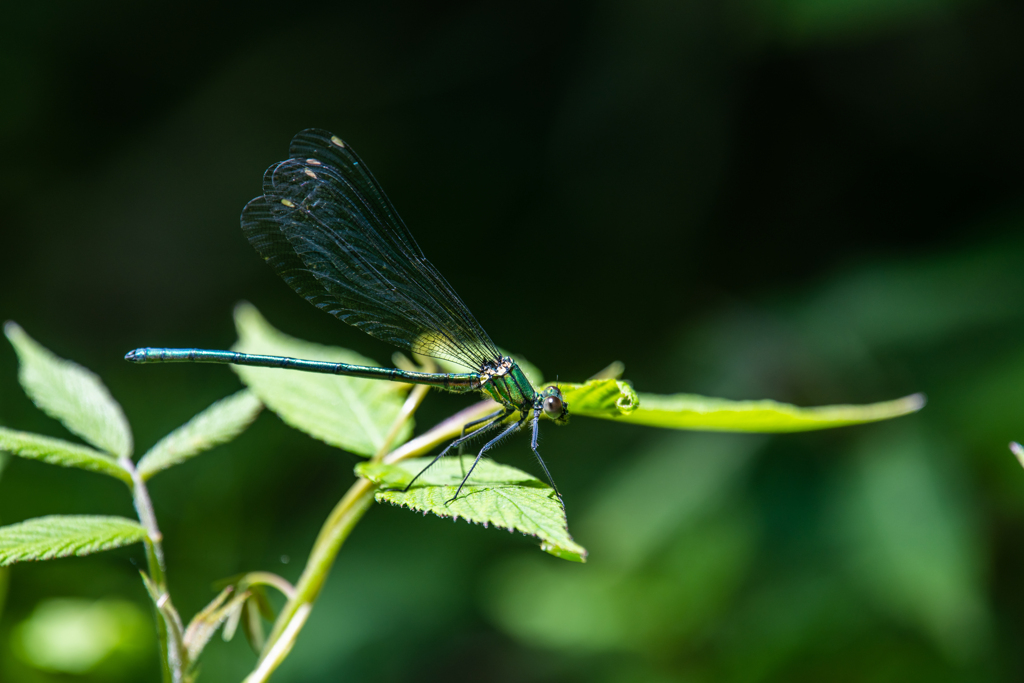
x=220, y=423
x=45, y=538
x=496, y=495
x=261, y=603
x=253, y=627
x=608, y=398
x=70, y=393
x=689, y=411
x=206, y=622
x=60, y=452
x=613, y=370
x=231, y=623
x=354, y=414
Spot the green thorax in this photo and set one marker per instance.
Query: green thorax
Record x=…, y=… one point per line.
x=507, y=384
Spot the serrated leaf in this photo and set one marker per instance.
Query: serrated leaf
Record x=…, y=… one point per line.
x=70, y=393
x=220, y=423
x=689, y=411
x=45, y=538
x=496, y=495
x=350, y=413
x=600, y=398
x=60, y=452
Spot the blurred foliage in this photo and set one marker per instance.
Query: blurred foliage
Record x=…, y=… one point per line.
x=814, y=201
x=75, y=636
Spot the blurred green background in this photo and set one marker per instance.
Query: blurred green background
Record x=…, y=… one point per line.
x=816, y=201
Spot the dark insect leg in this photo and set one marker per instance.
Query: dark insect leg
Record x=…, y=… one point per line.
x=497, y=419
x=487, y=446
x=533, y=445
x=474, y=423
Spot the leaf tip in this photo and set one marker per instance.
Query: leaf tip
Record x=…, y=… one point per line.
x=916, y=401
x=570, y=554
x=241, y=307
x=613, y=370
x=1018, y=451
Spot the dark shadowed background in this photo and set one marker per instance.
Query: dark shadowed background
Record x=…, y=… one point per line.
x=816, y=201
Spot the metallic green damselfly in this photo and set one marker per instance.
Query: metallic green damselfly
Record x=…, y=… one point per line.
x=326, y=227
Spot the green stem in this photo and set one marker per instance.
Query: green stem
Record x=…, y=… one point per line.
x=155, y=564
x=339, y=525
x=267, y=579
x=336, y=528
x=413, y=402
x=439, y=433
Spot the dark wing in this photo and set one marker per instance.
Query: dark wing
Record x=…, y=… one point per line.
x=325, y=226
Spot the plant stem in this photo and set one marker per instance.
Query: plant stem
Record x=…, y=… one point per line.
x=267, y=579
x=336, y=528
x=413, y=402
x=439, y=433
x=339, y=525
x=154, y=562
x=281, y=648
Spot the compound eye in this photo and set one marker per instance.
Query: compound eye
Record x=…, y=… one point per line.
x=553, y=407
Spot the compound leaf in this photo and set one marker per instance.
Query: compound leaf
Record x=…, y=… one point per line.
x=45, y=538
x=220, y=423
x=70, y=393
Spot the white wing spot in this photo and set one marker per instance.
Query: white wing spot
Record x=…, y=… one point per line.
x=313, y=162
x=337, y=141
x=288, y=203
x=310, y=174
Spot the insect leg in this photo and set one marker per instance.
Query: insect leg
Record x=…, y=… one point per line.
x=533, y=445
x=497, y=420
x=473, y=423
x=490, y=444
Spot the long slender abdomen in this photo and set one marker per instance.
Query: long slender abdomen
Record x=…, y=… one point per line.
x=456, y=382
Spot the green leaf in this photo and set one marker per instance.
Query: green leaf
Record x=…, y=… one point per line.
x=613, y=370
x=208, y=620
x=220, y=423
x=606, y=398
x=677, y=479
x=496, y=495
x=60, y=452
x=68, y=392
x=354, y=414
x=45, y=538
x=913, y=539
x=253, y=627
x=689, y=411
